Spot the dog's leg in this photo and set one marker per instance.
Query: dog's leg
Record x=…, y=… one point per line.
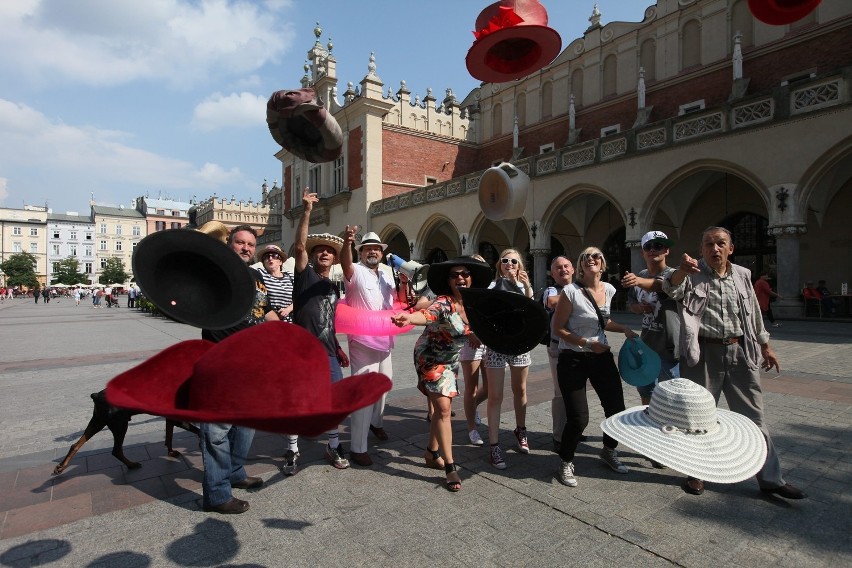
x=170, y=428
x=118, y=426
x=95, y=425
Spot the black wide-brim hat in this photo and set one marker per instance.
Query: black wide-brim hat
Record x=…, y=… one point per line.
x=507, y=322
x=193, y=278
x=439, y=273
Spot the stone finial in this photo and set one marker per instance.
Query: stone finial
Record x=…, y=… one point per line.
x=738, y=56
x=371, y=66
x=595, y=18
x=640, y=89
x=317, y=32
x=329, y=46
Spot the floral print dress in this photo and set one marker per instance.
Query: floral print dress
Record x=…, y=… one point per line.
x=436, y=353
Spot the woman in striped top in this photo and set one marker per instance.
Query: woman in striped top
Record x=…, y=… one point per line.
x=279, y=284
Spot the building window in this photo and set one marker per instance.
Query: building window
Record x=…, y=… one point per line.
x=648, y=59
x=136, y=231
x=102, y=245
x=103, y=228
x=103, y=263
x=315, y=179
x=547, y=100
x=118, y=246
x=497, y=120
x=690, y=45
x=431, y=180
x=16, y=231
x=33, y=232
x=88, y=267
x=73, y=235
x=16, y=247
x=610, y=130
x=55, y=250
x=133, y=246
x=159, y=225
x=88, y=236
x=161, y=211
x=55, y=268
x=694, y=106
x=55, y=234
x=118, y=230
x=544, y=149
x=176, y=225
x=577, y=86
x=339, y=179
x=73, y=250
x=175, y=213
x=33, y=248
x=88, y=250
x=610, y=74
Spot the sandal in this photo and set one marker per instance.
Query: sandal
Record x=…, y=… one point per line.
x=453, y=485
x=433, y=459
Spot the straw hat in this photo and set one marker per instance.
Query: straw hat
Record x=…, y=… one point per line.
x=371, y=239
x=326, y=239
x=683, y=429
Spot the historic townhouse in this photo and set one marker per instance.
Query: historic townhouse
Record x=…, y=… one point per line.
x=117, y=232
x=23, y=230
x=71, y=235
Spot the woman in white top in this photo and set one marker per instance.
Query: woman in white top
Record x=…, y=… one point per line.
x=585, y=355
x=511, y=267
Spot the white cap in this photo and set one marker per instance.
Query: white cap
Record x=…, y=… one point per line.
x=657, y=236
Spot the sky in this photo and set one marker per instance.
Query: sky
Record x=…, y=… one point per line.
x=116, y=99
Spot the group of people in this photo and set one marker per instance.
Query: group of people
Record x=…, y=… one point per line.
x=700, y=317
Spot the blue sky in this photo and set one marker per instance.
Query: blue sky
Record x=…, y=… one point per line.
x=121, y=98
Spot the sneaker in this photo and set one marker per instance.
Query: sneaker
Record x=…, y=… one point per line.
x=610, y=458
x=523, y=445
x=475, y=438
x=566, y=474
x=290, y=467
x=497, y=457
x=336, y=457
x=476, y=419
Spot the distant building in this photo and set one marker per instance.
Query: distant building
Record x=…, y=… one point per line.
x=233, y=213
x=23, y=230
x=117, y=232
x=71, y=235
x=162, y=214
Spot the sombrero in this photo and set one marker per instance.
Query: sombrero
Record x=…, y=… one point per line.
x=638, y=364
x=683, y=429
x=507, y=322
x=326, y=239
x=512, y=41
x=781, y=12
x=300, y=123
x=230, y=382
x=193, y=278
x=439, y=273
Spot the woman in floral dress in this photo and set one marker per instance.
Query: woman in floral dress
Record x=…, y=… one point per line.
x=436, y=353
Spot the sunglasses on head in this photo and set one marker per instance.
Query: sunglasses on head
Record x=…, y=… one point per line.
x=457, y=273
x=269, y=255
x=593, y=256
x=512, y=261
x=653, y=246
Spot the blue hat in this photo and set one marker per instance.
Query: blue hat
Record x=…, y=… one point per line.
x=638, y=364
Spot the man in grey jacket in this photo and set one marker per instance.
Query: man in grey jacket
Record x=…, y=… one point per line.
x=723, y=343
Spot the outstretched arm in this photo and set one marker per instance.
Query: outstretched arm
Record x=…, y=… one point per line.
x=346, y=263
x=300, y=254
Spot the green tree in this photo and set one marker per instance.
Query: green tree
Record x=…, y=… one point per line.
x=69, y=273
x=113, y=272
x=20, y=271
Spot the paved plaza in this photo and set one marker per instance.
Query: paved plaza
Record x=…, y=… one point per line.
x=397, y=513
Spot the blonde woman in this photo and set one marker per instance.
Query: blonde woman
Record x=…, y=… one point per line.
x=510, y=266
x=581, y=317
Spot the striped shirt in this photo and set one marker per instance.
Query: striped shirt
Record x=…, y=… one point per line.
x=279, y=290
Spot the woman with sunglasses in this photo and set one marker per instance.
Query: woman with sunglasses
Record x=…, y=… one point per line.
x=581, y=317
x=511, y=269
x=436, y=353
x=279, y=283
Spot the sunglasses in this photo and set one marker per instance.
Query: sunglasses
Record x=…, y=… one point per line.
x=512, y=261
x=462, y=273
x=595, y=256
x=653, y=246
x=271, y=255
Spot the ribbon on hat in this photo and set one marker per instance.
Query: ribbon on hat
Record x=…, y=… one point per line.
x=506, y=17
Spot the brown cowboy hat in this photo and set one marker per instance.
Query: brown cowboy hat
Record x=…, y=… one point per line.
x=300, y=123
x=231, y=382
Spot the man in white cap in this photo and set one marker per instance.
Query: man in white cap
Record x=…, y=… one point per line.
x=368, y=288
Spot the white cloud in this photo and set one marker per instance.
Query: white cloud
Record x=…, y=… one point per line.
x=243, y=110
x=103, y=42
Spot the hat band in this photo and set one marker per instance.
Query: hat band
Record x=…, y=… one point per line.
x=671, y=428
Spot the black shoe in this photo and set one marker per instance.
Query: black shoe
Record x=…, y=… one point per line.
x=233, y=507
x=693, y=486
x=379, y=433
x=786, y=491
x=248, y=483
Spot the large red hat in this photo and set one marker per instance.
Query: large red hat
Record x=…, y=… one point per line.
x=512, y=41
x=274, y=377
x=300, y=123
x=781, y=12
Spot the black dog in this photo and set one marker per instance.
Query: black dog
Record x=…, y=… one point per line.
x=116, y=419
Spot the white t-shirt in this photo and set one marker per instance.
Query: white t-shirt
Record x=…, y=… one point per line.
x=370, y=290
x=584, y=319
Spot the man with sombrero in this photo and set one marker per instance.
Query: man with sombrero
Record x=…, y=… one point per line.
x=368, y=288
x=315, y=299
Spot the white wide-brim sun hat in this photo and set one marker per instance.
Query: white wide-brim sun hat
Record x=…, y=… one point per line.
x=682, y=428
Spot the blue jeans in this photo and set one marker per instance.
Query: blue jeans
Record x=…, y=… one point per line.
x=668, y=370
x=224, y=448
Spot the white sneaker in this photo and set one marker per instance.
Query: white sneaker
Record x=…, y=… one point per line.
x=476, y=419
x=610, y=457
x=566, y=474
x=475, y=438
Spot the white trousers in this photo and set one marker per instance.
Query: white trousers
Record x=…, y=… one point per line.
x=362, y=359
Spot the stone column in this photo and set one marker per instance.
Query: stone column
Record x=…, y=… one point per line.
x=540, y=268
x=788, y=280
x=637, y=261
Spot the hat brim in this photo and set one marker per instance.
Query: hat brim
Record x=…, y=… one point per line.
x=159, y=386
x=314, y=241
x=495, y=57
x=383, y=245
x=732, y=453
x=650, y=363
x=193, y=278
x=437, y=277
x=507, y=322
x=769, y=12
x=667, y=242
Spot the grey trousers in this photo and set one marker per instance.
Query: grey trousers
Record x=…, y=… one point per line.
x=723, y=369
x=557, y=405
